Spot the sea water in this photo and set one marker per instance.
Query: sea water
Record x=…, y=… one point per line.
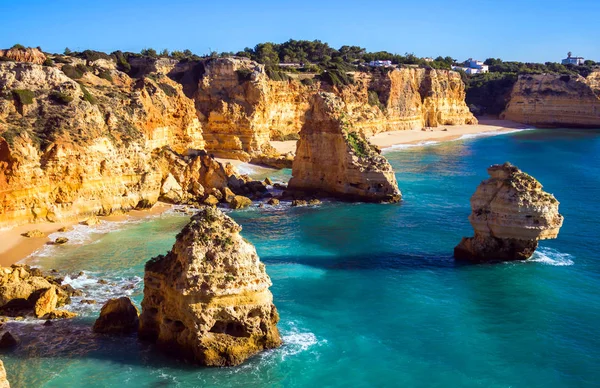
x=369, y=295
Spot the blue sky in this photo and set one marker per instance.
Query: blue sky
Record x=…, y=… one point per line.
x=523, y=30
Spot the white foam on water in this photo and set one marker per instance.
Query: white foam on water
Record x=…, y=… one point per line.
x=467, y=136
x=553, y=257
x=399, y=147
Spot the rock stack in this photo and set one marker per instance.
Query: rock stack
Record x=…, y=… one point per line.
x=510, y=214
x=208, y=299
x=333, y=159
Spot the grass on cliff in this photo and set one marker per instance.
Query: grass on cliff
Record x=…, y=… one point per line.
x=168, y=89
x=87, y=96
x=61, y=98
x=358, y=144
x=23, y=96
x=374, y=100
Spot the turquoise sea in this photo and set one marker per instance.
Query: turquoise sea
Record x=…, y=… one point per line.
x=369, y=295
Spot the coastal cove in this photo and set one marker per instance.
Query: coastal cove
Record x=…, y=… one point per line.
x=368, y=295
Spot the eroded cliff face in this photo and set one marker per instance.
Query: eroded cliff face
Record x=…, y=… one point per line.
x=553, y=100
x=241, y=109
x=334, y=158
x=510, y=214
x=70, y=149
x=32, y=55
x=208, y=299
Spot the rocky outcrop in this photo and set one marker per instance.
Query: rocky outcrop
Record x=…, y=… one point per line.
x=334, y=159
x=25, y=290
x=117, y=316
x=510, y=214
x=553, y=100
x=3, y=379
x=31, y=55
x=208, y=299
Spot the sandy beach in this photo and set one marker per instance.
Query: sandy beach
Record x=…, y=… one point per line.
x=14, y=247
x=441, y=133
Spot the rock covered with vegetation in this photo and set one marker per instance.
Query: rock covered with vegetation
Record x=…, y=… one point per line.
x=510, y=214
x=208, y=299
x=334, y=159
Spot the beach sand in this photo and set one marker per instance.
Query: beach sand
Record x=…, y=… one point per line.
x=441, y=133
x=14, y=247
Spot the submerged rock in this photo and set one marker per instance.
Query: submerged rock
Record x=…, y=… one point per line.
x=208, y=299
x=118, y=316
x=334, y=158
x=510, y=214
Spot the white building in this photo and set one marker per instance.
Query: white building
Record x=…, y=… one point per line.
x=473, y=67
x=570, y=60
x=378, y=63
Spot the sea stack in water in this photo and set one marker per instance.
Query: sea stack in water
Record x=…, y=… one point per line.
x=510, y=214
x=334, y=159
x=208, y=299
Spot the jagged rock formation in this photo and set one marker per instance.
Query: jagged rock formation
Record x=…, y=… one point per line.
x=334, y=159
x=510, y=214
x=32, y=55
x=25, y=290
x=117, y=316
x=208, y=299
x=3, y=379
x=553, y=100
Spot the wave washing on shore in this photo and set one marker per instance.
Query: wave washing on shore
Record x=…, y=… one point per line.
x=467, y=136
x=367, y=285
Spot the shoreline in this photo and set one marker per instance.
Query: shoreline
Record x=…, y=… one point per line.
x=16, y=247
x=415, y=136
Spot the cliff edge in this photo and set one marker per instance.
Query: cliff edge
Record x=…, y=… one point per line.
x=553, y=100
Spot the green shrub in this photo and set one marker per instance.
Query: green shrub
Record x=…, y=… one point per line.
x=61, y=98
x=105, y=74
x=276, y=74
x=23, y=96
x=87, y=96
x=73, y=72
x=358, y=144
x=48, y=62
x=308, y=81
x=244, y=75
x=336, y=77
x=374, y=100
x=168, y=89
x=18, y=47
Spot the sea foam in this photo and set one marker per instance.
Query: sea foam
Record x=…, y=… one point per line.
x=551, y=256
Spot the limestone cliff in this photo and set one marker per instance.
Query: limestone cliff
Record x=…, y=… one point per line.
x=32, y=55
x=69, y=149
x=510, y=214
x=333, y=158
x=3, y=379
x=241, y=108
x=208, y=299
x=552, y=100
